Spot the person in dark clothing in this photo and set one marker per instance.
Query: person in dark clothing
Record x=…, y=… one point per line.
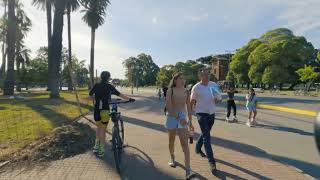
x=231, y=104
x=164, y=90
x=102, y=92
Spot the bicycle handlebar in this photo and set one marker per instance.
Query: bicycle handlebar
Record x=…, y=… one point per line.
x=119, y=102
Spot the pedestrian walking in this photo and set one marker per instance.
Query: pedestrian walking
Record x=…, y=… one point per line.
x=231, y=104
x=179, y=109
x=251, y=105
x=204, y=97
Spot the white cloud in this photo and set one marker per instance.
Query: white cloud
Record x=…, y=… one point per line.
x=302, y=16
x=199, y=17
x=155, y=20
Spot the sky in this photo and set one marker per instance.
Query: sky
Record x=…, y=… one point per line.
x=179, y=30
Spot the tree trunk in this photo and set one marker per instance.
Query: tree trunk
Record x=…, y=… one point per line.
x=11, y=39
x=56, y=47
x=92, y=57
x=70, y=88
x=49, y=34
x=18, y=82
x=4, y=48
x=292, y=86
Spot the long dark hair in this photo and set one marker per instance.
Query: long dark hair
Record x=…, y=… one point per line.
x=174, y=78
x=251, y=96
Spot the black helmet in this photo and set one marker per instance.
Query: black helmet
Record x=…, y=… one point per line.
x=105, y=76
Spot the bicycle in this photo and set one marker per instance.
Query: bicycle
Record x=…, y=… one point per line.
x=117, y=133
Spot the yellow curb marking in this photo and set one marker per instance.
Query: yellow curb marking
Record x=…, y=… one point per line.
x=284, y=109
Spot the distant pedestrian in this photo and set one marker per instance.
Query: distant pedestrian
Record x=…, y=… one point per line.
x=231, y=104
x=164, y=91
x=159, y=94
x=251, y=105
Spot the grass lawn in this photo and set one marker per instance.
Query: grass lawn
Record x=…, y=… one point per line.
x=23, y=121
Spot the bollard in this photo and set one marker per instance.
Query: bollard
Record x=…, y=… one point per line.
x=317, y=131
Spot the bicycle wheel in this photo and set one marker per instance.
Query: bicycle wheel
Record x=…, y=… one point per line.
x=117, y=148
x=121, y=130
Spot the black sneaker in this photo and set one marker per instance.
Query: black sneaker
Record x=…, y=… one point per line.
x=213, y=168
x=201, y=153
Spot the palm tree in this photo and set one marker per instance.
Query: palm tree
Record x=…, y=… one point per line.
x=3, y=34
x=46, y=5
x=55, y=48
x=94, y=13
x=23, y=27
x=11, y=39
x=71, y=5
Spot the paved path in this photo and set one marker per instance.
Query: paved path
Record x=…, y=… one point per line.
x=147, y=154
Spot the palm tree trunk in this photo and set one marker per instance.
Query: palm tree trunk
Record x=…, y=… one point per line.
x=3, y=48
x=11, y=36
x=92, y=56
x=70, y=88
x=18, y=82
x=49, y=31
x=55, y=48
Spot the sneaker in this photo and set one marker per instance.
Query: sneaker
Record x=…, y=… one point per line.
x=172, y=162
x=96, y=146
x=190, y=174
x=101, y=151
x=235, y=119
x=213, y=168
x=227, y=119
x=201, y=153
x=254, y=122
x=249, y=123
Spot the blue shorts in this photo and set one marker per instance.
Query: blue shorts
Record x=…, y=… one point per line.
x=173, y=123
x=251, y=108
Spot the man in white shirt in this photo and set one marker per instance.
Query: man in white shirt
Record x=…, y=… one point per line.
x=204, y=96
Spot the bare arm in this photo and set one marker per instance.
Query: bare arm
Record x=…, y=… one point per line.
x=169, y=104
x=189, y=109
x=123, y=96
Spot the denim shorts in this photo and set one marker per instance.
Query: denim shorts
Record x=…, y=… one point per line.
x=251, y=108
x=173, y=123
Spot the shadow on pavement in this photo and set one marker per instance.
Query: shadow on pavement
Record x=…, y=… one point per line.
x=152, y=104
x=136, y=164
x=286, y=129
x=247, y=149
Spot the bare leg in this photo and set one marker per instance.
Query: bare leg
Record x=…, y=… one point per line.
x=172, y=136
x=184, y=136
x=250, y=115
x=255, y=115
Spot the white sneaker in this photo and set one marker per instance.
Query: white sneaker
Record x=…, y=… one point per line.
x=190, y=174
x=235, y=119
x=227, y=119
x=172, y=163
x=252, y=122
x=249, y=124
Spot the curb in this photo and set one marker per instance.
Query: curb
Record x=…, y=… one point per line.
x=283, y=109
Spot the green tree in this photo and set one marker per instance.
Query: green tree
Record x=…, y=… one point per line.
x=149, y=70
x=272, y=59
x=308, y=75
x=3, y=34
x=165, y=75
x=94, y=14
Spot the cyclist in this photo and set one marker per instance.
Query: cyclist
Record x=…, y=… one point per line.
x=102, y=92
